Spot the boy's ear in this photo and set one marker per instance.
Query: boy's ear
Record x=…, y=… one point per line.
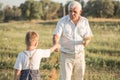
x=36, y=43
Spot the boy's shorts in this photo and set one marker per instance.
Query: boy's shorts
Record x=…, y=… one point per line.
x=30, y=75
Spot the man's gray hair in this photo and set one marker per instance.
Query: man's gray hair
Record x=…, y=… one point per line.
x=74, y=3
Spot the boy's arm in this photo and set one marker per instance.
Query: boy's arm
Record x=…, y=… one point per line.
x=54, y=47
x=16, y=74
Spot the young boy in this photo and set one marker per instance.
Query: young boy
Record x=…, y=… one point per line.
x=28, y=61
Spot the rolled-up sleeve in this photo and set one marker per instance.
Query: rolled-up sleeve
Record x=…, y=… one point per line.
x=88, y=30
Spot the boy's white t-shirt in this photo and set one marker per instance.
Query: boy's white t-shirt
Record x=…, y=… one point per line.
x=22, y=61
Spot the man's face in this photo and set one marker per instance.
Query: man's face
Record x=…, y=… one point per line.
x=74, y=13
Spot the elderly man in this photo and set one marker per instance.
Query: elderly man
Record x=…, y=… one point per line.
x=74, y=33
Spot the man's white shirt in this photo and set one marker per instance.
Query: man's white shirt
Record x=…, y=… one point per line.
x=71, y=35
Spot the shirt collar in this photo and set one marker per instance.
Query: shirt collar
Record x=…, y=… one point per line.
x=68, y=18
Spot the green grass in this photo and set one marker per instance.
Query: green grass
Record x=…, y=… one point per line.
x=102, y=54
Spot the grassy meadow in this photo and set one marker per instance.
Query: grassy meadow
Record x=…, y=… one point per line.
x=102, y=54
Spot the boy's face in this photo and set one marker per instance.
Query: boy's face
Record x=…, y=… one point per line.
x=35, y=42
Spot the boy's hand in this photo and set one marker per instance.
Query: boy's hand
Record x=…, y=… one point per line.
x=58, y=47
x=56, y=50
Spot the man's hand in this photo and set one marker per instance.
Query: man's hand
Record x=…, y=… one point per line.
x=87, y=41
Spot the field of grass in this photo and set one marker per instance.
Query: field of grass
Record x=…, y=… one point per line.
x=102, y=54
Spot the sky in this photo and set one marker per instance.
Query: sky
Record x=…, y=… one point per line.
x=18, y=2
x=12, y=2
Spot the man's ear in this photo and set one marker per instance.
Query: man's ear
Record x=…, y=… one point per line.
x=81, y=12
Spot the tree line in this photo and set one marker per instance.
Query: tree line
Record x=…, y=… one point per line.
x=48, y=10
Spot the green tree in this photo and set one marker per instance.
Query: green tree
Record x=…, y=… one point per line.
x=25, y=8
x=88, y=10
x=16, y=13
x=8, y=13
x=36, y=10
x=107, y=9
x=50, y=9
x=1, y=13
x=99, y=8
x=31, y=9
x=116, y=8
